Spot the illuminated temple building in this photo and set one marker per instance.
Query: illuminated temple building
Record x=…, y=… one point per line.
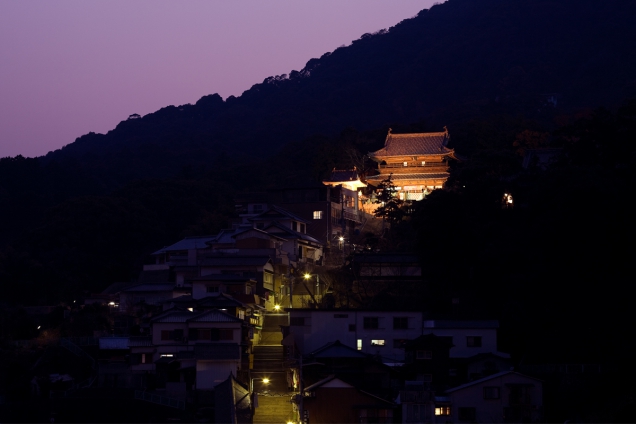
x=417, y=163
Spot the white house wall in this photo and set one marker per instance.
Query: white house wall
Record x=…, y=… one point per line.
x=460, y=340
x=322, y=327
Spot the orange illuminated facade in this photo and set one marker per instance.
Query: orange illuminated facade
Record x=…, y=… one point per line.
x=416, y=162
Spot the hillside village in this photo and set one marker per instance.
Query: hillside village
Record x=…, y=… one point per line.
x=232, y=326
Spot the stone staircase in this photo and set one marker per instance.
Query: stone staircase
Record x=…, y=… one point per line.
x=274, y=404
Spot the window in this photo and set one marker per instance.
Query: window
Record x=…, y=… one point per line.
x=299, y=321
x=423, y=163
x=377, y=342
x=204, y=334
x=178, y=335
x=442, y=410
x=212, y=289
x=143, y=358
x=294, y=226
x=406, y=164
x=268, y=278
x=317, y=214
x=424, y=354
x=302, y=228
x=352, y=327
x=258, y=208
x=376, y=416
x=400, y=323
x=370, y=323
x=359, y=344
x=473, y=341
x=467, y=414
x=226, y=334
x=491, y=392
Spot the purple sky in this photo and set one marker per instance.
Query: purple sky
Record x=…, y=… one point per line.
x=68, y=67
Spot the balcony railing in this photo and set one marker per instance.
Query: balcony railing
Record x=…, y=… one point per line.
x=414, y=165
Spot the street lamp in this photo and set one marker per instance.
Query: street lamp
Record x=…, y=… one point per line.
x=308, y=276
x=264, y=380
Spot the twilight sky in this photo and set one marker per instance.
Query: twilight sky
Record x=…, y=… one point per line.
x=68, y=67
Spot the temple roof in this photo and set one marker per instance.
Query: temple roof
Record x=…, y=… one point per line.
x=415, y=144
x=348, y=178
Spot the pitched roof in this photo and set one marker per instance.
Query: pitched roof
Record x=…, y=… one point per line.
x=187, y=243
x=214, y=315
x=234, y=260
x=339, y=175
x=490, y=377
x=158, y=287
x=337, y=350
x=173, y=315
x=220, y=300
x=280, y=230
x=276, y=212
x=438, y=324
x=414, y=144
x=226, y=278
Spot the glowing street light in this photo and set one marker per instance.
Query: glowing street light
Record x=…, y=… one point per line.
x=264, y=380
x=277, y=308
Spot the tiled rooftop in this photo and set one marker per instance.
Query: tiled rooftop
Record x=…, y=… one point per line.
x=414, y=144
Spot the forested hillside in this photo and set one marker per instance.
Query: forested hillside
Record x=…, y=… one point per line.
x=500, y=75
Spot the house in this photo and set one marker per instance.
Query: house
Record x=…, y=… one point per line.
x=380, y=333
x=197, y=348
x=417, y=163
x=357, y=368
x=427, y=359
x=375, y=273
x=148, y=294
x=330, y=211
x=503, y=397
x=333, y=400
x=470, y=337
x=384, y=333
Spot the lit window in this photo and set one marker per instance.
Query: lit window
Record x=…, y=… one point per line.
x=442, y=410
x=423, y=163
x=406, y=164
x=377, y=342
x=317, y=214
x=359, y=344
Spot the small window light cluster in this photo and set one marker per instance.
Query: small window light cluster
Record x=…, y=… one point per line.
x=507, y=201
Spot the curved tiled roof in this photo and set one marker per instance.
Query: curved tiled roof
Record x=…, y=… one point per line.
x=414, y=144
